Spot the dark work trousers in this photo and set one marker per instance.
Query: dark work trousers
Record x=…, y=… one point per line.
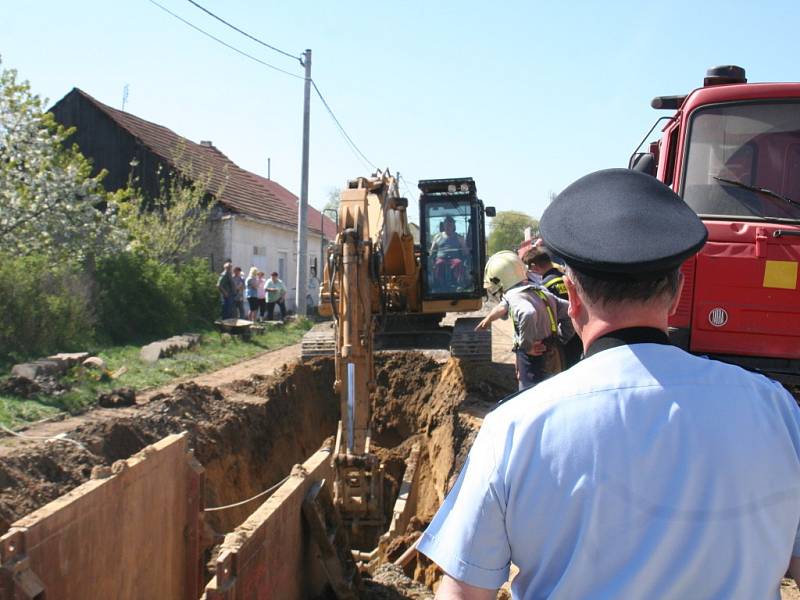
x=535, y=369
x=271, y=309
x=530, y=369
x=228, y=307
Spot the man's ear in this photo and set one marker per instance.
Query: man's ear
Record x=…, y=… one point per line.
x=575, y=302
x=673, y=307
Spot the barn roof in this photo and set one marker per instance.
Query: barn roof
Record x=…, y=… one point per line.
x=242, y=192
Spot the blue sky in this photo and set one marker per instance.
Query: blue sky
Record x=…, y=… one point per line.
x=523, y=96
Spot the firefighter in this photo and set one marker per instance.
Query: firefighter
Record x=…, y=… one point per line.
x=644, y=471
x=552, y=278
x=535, y=314
x=527, y=258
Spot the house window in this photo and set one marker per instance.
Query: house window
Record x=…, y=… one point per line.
x=282, y=260
x=260, y=258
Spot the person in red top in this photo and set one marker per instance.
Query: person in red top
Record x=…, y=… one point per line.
x=448, y=252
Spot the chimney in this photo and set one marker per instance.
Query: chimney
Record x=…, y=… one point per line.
x=207, y=143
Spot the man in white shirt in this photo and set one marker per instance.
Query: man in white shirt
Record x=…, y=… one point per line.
x=643, y=471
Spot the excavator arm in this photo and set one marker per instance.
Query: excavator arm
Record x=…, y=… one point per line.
x=374, y=272
x=373, y=240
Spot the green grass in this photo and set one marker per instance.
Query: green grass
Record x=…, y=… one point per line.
x=215, y=351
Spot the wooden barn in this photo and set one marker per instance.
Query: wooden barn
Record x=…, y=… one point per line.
x=254, y=219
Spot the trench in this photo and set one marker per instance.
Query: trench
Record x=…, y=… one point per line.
x=250, y=435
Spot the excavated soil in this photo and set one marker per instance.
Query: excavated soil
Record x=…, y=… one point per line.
x=248, y=435
x=245, y=446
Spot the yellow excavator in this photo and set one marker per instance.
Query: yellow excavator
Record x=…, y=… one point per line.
x=383, y=289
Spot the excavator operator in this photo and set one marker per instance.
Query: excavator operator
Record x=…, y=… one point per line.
x=448, y=252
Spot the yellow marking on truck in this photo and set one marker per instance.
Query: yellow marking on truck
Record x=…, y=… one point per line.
x=780, y=274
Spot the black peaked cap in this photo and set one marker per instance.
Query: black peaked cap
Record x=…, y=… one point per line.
x=621, y=224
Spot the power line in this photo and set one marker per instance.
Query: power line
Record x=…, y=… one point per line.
x=255, y=39
x=216, y=39
x=341, y=129
x=327, y=107
x=406, y=186
x=356, y=150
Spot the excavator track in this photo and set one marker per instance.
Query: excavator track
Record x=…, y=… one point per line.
x=470, y=345
x=464, y=342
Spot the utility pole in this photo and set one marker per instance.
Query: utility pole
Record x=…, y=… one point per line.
x=302, y=206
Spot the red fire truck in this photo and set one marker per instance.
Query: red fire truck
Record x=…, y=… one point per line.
x=731, y=150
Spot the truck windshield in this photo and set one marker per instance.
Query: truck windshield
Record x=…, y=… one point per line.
x=743, y=160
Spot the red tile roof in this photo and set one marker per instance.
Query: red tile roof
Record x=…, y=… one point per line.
x=243, y=192
x=289, y=200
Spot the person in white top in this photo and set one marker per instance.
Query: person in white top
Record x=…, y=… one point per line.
x=643, y=471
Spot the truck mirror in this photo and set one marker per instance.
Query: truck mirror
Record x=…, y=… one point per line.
x=490, y=211
x=644, y=162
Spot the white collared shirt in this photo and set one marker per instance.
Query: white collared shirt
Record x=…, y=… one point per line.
x=641, y=472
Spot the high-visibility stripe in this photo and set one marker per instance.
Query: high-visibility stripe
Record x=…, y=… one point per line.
x=558, y=284
x=553, y=324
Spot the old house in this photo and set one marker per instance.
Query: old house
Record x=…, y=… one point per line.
x=254, y=220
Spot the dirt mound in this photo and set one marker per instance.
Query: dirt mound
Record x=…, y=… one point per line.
x=390, y=583
x=244, y=446
x=33, y=477
x=440, y=406
x=416, y=394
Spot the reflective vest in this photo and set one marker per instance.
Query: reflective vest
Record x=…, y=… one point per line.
x=553, y=324
x=553, y=280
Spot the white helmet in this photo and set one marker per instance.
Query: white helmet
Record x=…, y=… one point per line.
x=503, y=271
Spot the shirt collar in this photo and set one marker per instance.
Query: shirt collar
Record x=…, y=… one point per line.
x=626, y=337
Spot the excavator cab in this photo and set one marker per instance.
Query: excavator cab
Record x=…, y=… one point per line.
x=452, y=239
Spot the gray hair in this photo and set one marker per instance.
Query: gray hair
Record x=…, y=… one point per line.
x=604, y=291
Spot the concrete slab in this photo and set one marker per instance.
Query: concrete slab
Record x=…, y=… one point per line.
x=70, y=359
x=177, y=343
x=39, y=368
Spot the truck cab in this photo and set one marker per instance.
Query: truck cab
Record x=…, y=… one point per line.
x=731, y=150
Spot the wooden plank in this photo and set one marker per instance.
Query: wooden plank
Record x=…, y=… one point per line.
x=132, y=535
x=269, y=556
x=328, y=532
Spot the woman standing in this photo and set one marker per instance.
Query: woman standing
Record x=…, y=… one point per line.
x=251, y=291
x=262, y=294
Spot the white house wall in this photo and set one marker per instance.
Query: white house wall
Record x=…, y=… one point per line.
x=252, y=243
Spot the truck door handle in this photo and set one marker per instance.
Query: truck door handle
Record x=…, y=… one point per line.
x=782, y=232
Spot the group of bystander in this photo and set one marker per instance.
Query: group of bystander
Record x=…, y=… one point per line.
x=262, y=294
